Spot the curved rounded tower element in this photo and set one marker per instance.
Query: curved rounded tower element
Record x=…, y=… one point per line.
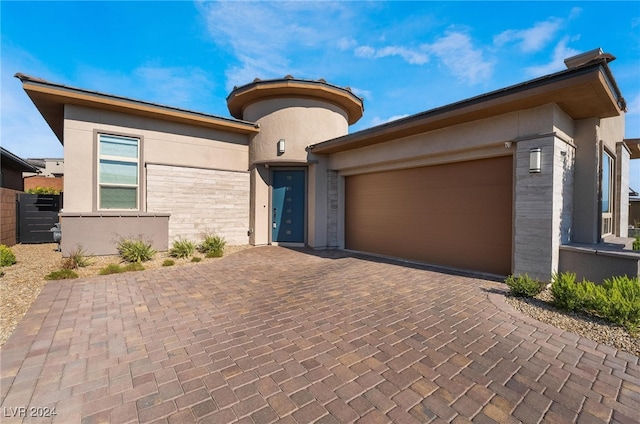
x=298, y=112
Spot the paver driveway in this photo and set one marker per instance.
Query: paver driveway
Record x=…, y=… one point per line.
x=272, y=334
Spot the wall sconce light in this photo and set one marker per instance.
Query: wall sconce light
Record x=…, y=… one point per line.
x=281, y=146
x=535, y=155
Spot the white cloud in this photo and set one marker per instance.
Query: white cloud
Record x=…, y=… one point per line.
x=264, y=36
x=531, y=39
x=346, y=43
x=376, y=120
x=560, y=53
x=456, y=51
x=411, y=56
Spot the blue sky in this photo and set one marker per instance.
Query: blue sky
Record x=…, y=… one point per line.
x=401, y=57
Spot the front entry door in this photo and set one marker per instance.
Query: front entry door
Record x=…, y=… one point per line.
x=288, y=204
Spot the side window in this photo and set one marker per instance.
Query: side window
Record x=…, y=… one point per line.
x=607, y=191
x=118, y=164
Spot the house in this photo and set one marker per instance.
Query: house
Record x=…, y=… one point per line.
x=11, y=169
x=501, y=183
x=49, y=174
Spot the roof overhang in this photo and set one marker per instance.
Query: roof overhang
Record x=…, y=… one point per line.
x=633, y=144
x=50, y=100
x=241, y=97
x=15, y=161
x=583, y=92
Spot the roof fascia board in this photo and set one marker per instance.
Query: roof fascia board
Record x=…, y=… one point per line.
x=472, y=109
x=68, y=95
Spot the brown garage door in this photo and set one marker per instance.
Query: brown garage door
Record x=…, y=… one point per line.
x=457, y=215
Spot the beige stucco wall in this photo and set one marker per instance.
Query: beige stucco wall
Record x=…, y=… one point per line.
x=162, y=143
x=299, y=121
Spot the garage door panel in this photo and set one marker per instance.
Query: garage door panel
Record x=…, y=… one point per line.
x=456, y=215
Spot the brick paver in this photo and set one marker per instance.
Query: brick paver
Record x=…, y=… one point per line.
x=272, y=334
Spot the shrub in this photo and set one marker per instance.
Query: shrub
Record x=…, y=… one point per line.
x=196, y=259
x=565, y=291
x=133, y=266
x=7, y=258
x=135, y=250
x=111, y=269
x=168, y=262
x=212, y=246
x=76, y=259
x=636, y=243
x=43, y=190
x=617, y=300
x=63, y=274
x=182, y=248
x=523, y=286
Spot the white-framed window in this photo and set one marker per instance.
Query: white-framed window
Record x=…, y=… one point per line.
x=607, y=190
x=118, y=172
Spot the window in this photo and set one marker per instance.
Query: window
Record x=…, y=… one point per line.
x=607, y=193
x=118, y=159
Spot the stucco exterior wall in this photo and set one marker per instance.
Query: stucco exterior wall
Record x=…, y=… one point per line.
x=299, y=121
x=200, y=201
x=161, y=143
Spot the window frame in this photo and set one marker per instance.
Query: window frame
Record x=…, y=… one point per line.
x=121, y=159
x=607, y=217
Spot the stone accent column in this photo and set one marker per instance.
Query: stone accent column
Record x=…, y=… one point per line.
x=543, y=205
x=621, y=218
x=332, y=209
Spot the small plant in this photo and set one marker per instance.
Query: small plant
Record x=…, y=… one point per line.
x=565, y=291
x=111, y=269
x=196, y=259
x=77, y=259
x=212, y=246
x=135, y=250
x=133, y=266
x=168, y=262
x=182, y=248
x=7, y=258
x=63, y=274
x=636, y=243
x=43, y=190
x=523, y=286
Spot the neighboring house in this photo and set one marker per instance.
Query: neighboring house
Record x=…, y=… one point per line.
x=50, y=174
x=498, y=183
x=11, y=169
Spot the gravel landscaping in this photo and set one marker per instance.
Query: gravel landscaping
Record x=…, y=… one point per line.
x=23, y=281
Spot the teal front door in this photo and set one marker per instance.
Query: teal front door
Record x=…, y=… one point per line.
x=288, y=206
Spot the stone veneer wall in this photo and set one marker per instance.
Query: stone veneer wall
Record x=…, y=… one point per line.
x=622, y=186
x=543, y=206
x=8, y=216
x=200, y=201
x=332, y=208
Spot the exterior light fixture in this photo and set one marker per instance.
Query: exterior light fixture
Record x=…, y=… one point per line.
x=535, y=155
x=281, y=146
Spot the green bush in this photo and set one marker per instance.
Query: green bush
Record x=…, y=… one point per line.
x=168, y=262
x=135, y=250
x=617, y=300
x=63, y=274
x=565, y=291
x=182, y=248
x=636, y=243
x=196, y=259
x=7, y=258
x=212, y=246
x=117, y=269
x=43, y=190
x=111, y=269
x=523, y=286
x=76, y=259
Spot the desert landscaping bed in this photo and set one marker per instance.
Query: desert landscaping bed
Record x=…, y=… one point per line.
x=23, y=281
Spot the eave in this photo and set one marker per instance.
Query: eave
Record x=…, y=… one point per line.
x=584, y=92
x=241, y=97
x=633, y=144
x=50, y=100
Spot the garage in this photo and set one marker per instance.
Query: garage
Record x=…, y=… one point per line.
x=455, y=215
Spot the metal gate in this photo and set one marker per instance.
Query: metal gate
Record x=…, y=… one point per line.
x=37, y=213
